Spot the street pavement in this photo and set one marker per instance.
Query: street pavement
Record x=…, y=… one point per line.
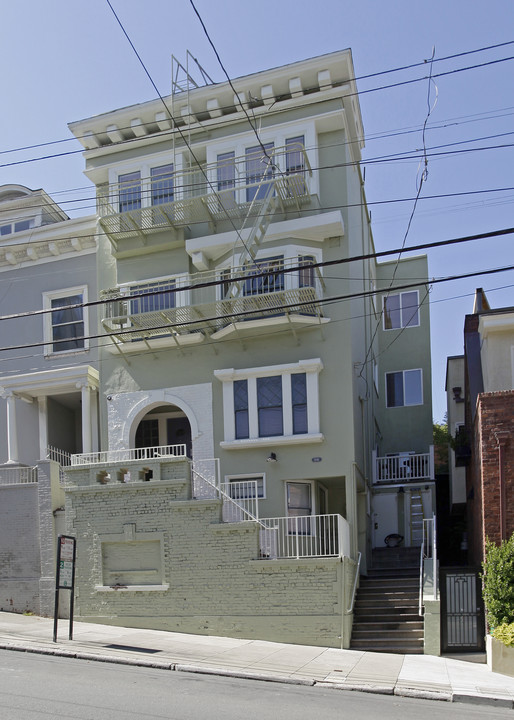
x=449, y=678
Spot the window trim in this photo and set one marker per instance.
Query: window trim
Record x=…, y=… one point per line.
x=48, y=296
x=311, y=368
x=404, y=404
x=249, y=476
x=289, y=253
x=400, y=295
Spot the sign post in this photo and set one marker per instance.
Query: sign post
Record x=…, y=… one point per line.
x=65, y=576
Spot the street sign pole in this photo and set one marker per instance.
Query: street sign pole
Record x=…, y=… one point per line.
x=65, y=577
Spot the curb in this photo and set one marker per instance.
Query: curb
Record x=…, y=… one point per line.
x=456, y=697
x=284, y=679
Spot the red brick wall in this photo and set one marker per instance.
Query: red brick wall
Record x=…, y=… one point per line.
x=493, y=427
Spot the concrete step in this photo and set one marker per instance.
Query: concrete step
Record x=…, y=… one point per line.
x=367, y=583
x=385, y=623
x=386, y=615
x=406, y=637
x=393, y=648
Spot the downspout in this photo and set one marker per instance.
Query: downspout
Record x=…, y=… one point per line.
x=502, y=438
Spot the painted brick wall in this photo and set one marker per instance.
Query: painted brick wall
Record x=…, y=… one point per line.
x=19, y=548
x=216, y=585
x=493, y=437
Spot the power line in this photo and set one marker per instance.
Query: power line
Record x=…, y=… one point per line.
x=177, y=127
x=253, y=275
x=245, y=314
x=409, y=155
x=322, y=86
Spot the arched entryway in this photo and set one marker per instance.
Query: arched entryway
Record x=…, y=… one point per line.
x=164, y=425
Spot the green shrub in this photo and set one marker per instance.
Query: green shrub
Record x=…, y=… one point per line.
x=498, y=582
x=505, y=634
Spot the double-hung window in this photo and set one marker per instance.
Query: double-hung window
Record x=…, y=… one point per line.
x=242, y=428
x=129, y=191
x=274, y=404
x=306, y=273
x=295, y=160
x=161, y=179
x=269, y=406
x=404, y=388
x=274, y=282
x=401, y=310
x=226, y=171
x=159, y=296
x=259, y=169
x=65, y=325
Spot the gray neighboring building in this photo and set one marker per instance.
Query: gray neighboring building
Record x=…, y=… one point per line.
x=48, y=381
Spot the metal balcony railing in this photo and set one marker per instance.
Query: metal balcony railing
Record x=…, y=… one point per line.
x=190, y=303
x=217, y=191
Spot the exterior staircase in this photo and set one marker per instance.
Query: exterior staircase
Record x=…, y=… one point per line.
x=386, y=613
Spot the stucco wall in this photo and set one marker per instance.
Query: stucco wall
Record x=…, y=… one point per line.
x=19, y=548
x=215, y=584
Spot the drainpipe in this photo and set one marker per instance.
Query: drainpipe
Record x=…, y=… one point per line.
x=502, y=438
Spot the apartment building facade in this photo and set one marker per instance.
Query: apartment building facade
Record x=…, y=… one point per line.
x=264, y=384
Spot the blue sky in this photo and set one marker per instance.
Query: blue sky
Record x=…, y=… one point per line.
x=63, y=60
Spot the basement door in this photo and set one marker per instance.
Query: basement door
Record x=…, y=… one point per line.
x=462, y=616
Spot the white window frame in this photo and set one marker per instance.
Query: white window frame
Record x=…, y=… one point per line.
x=311, y=368
x=400, y=295
x=144, y=169
x=182, y=297
x=288, y=252
x=313, y=494
x=278, y=136
x=394, y=372
x=47, y=319
x=248, y=477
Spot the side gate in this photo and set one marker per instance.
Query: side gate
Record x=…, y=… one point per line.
x=462, y=610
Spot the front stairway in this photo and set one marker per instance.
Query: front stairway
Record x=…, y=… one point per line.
x=386, y=614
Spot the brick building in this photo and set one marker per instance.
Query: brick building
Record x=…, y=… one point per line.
x=485, y=442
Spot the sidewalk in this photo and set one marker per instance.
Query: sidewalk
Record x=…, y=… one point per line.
x=421, y=676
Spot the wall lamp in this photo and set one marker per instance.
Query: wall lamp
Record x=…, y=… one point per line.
x=272, y=457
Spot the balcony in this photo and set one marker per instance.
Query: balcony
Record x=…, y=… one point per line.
x=230, y=190
x=241, y=301
x=20, y=475
x=403, y=467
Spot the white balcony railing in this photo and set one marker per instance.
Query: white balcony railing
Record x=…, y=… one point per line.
x=404, y=467
x=240, y=500
x=305, y=536
x=117, y=456
x=18, y=475
x=191, y=303
x=214, y=192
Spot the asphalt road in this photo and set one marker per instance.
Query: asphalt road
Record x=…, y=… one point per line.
x=35, y=687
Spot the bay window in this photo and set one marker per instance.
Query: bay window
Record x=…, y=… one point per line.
x=271, y=405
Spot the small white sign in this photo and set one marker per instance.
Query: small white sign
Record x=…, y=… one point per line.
x=67, y=548
x=65, y=573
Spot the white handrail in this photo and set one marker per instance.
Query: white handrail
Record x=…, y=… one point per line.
x=354, y=591
x=421, y=559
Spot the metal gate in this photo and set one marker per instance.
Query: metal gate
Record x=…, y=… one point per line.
x=462, y=616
